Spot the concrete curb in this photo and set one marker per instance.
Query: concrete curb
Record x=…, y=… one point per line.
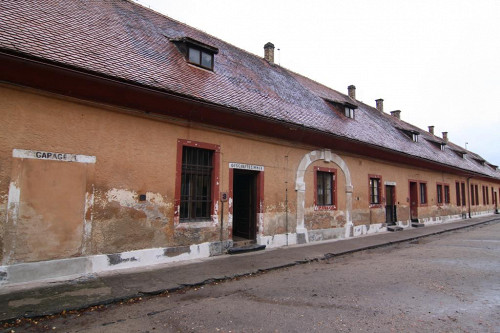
x=277, y=258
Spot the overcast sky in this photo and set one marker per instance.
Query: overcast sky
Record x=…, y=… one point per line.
x=438, y=61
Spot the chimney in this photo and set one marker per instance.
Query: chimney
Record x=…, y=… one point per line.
x=431, y=130
x=380, y=104
x=396, y=113
x=445, y=136
x=269, y=52
x=351, y=90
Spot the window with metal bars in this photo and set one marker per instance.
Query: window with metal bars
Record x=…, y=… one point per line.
x=196, y=184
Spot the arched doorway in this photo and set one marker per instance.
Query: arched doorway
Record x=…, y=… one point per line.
x=300, y=187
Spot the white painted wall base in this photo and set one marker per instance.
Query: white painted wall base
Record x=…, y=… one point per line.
x=277, y=240
x=81, y=266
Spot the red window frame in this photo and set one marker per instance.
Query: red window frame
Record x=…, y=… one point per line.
x=439, y=194
x=423, y=200
x=477, y=194
x=334, y=188
x=472, y=197
x=379, y=194
x=446, y=188
x=464, y=201
x=215, y=177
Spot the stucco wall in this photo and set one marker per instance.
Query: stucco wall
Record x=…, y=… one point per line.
x=136, y=154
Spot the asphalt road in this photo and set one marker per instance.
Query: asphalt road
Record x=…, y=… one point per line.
x=444, y=283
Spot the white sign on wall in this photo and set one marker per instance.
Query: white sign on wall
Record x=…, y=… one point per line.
x=46, y=155
x=246, y=166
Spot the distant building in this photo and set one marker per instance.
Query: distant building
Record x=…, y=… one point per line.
x=129, y=138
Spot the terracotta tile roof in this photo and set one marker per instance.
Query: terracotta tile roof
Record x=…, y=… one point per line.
x=124, y=40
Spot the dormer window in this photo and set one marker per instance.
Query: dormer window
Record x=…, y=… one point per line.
x=438, y=144
x=349, y=112
x=197, y=53
x=342, y=108
x=480, y=161
x=412, y=134
x=201, y=58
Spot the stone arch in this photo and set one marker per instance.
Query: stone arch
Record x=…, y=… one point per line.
x=300, y=187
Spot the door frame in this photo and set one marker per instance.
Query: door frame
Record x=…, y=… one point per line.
x=413, y=207
x=259, y=202
x=393, y=199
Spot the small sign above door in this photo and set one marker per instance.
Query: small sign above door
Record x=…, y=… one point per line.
x=246, y=166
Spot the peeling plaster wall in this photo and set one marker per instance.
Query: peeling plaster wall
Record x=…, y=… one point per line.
x=123, y=223
x=136, y=155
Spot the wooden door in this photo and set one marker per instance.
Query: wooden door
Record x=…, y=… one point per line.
x=244, y=204
x=413, y=200
x=390, y=204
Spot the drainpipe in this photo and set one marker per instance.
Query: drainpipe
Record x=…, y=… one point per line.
x=468, y=194
x=286, y=199
x=221, y=227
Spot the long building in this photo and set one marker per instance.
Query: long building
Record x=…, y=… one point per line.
x=129, y=139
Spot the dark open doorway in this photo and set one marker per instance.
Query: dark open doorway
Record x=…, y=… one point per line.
x=244, y=204
x=413, y=201
x=390, y=204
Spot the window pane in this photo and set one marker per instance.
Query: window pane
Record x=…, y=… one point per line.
x=194, y=56
x=447, y=194
x=472, y=196
x=374, y=190
x=423, y=193
x=463, y=194
x=320, y=190
x=325, y=185
x=206, y=60
x=328, y=189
